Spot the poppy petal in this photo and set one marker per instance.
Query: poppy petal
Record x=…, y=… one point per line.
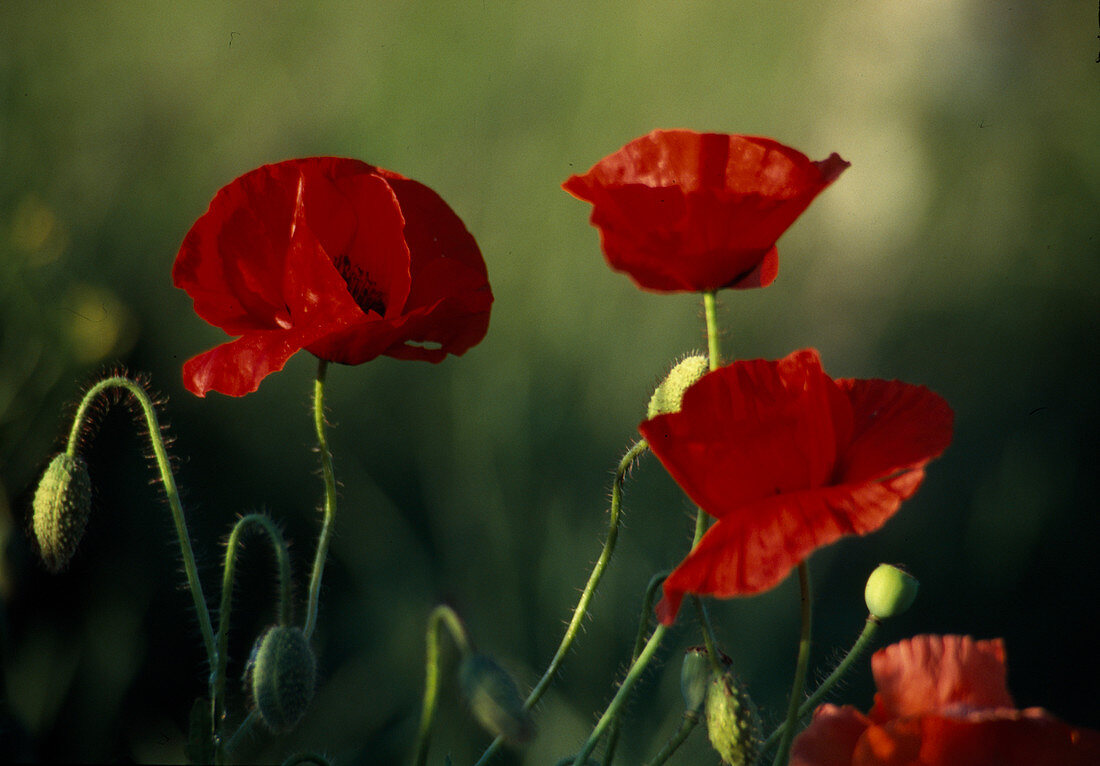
x=684, y=211
x=930, y=673
x=237, y=367
x=896, y=426
x=831, y=737
x=755, y=547
x=752, y=430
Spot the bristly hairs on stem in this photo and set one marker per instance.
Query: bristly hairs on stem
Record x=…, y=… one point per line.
x=134, y=391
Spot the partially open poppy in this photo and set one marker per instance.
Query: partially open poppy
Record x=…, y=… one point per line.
x=789, y=460
x=942, y=701
x=343, y=259
x=684, y=211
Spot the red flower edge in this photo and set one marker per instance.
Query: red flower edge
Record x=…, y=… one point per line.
x=346, y=260
x=942, y=701
x=788, y=460
x=681, y=211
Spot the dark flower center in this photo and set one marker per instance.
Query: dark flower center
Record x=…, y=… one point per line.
x=362, y=288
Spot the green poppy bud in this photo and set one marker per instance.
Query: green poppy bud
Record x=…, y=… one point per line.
x=283, y=673
x=890, y=591
x=494, y=699
x=61, y=506
x=695, y=679
x=733, y=724
x=668, y=395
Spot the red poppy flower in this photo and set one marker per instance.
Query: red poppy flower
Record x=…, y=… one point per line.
x=942, y=701
x=684, y=211
x=789, y=460
x=343, y=259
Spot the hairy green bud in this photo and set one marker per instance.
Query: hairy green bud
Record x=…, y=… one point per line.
x=494, y=699
x=733, y=724
x=61, y=506
x=890, y=591
x=283, y=674
x=670, y=393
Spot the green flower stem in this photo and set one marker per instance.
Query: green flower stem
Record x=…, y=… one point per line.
x=708, y=636
x=803, y=663
x=714, y=357
x=687, y=725
x=622, y=694
x=160, y=454
x=866, y=638
x=441, y=615
x=586, y=595
x=655, y=583
x=330, y=499
x=710, y=311
x=242, y=731
x=282, y=558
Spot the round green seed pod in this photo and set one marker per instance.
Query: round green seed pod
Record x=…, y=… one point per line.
x=890, y=591
x=283, y=675
x=61, y=506
x=494, y=699
x=733, y=724
x=670, y=393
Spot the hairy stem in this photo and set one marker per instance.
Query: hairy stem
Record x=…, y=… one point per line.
x=586, y=595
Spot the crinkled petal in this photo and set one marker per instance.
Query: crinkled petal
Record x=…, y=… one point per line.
x=237, y=367
x=931, y=673
x=755, y=547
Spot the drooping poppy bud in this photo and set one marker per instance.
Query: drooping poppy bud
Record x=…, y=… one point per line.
x=733, y=724
x=494, y=699
x=890, y=591
x=668, y=395
x=283, y=673
x=61, y=506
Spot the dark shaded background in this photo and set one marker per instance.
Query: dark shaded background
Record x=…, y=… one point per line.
x=960, y=250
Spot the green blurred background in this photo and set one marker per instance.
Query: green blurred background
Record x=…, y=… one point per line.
x=960, y=250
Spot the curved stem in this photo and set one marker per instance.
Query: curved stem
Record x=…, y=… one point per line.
x=586, y=595
x=687, y=725
x=866, y=637
x=800, y=668
x=621, y=695
x=655, y=583
x=442, y=614
x=330, y=499
x=160, y=454
x=282, y=558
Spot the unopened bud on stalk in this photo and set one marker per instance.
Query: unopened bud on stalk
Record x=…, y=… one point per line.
x=283, y=674
x=733, y=724
x=494, y=699
x=61, y=506
x=670, y=393
x=890, y=591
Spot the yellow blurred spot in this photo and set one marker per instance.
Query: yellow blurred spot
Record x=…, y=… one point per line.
x=100, y=325
x=37, y=232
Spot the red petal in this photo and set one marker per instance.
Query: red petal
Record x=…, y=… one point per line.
x=755, y=547
x=995, y=738
x=930, y=673
x=831, y=737
x=231, y=261
x=896, y=426
x=236, y=368
x=752, y=430
x=680, y=210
